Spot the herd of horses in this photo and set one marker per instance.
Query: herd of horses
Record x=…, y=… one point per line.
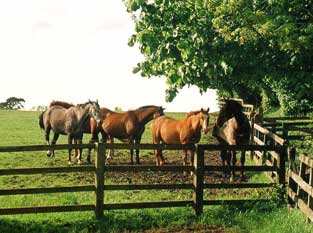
x=232, y=127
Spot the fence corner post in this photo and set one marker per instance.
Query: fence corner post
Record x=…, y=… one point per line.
x=198, y=180
x=99, y=178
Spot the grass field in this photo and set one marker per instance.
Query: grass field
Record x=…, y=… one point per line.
x=21, y=128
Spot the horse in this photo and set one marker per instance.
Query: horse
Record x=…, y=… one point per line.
x=68, y=121
x=171, y=131
x=130, y=125
x=232, y=128
x=90, y=126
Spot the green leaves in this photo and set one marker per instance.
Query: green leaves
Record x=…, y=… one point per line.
x=241, y=47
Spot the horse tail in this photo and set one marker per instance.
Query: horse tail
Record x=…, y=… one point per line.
x=40, y=120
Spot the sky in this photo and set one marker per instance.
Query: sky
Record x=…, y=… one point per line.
x=76, y=50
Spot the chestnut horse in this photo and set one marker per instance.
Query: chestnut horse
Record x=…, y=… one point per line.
x=233, y=128
x=68, y=121
x=171, y=131
x=129, y=126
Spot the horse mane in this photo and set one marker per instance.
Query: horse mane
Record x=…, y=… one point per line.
x=232, y=105
x=146, y=106
x=193, y=113
x=61, y=103
x=231, y=108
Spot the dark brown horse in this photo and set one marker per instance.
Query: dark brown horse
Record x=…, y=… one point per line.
x=171, y=131
x=232, y=128
x=129, y=126
x=68, y=121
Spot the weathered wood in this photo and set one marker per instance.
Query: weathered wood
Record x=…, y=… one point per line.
x=273, y=136
x=138, y=168
x=198, y=181
x=240, y=168
x=270, y=119
x=46, y=209
x=141, y=205
x=306, y=160
x=301, y=204
x=310, y=197
x=301, y=184
x=47, y=190
x=44, y=147
x=99, y=179
x=47, y=170
x=143, y=146
x=238, y=185
x=258, y=141
x=148, y=186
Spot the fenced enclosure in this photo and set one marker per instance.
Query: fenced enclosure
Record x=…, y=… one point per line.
x=300, y=187
x=99, y=168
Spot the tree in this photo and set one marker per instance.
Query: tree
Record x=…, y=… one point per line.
x=13, y=103
x=256, y=47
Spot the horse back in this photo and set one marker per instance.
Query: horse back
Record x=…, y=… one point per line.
x=166, y=129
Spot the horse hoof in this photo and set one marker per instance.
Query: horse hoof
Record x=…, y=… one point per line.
x=49, y=153
x=69, y=163
x=79, y=162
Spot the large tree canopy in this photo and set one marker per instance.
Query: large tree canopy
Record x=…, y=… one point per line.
x=257, y=49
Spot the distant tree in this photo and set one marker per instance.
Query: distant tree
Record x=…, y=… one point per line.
x=13, y=103
x=118, y=109
x=39, y=108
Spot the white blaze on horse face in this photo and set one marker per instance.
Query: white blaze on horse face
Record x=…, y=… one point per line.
x=205, y=123
x=95, y=113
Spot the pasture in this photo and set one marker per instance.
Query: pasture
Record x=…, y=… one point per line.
x=21, y=128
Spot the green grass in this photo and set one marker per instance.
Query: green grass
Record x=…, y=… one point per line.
x=21, y=128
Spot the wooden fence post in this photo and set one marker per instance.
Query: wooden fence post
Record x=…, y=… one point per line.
x=99, y=178
x=198, y=180
x=281, y=179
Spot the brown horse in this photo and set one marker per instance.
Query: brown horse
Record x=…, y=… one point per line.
x=68, y=121
x=171, y=131
x=129, y=126
x=233, y=128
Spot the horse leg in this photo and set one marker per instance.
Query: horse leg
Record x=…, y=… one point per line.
x=79, y=140
x=70, y=139
x=185, y=161
x=131, y=153
x=54, y=141
x=192, y=156
x=233, y=160
x=94, y=138
x=242, y=162
x=137, y=141
x=224, y=158
x=110, y=154
x=47, y=135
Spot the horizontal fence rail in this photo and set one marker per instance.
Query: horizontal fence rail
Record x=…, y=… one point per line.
x=300, y=188
x=99, y=169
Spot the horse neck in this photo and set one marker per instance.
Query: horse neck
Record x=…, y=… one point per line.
x=145, y=115
x=194, y=122
x=82, y=114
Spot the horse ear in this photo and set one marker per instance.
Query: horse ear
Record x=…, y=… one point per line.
x=202, y=110
x=208, y=110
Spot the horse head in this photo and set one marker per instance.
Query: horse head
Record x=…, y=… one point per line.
x=93, y=109
x=204, y=119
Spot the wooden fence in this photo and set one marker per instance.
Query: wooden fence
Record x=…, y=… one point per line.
x=289, y=128
x=262, y=136
x=99, y=169
x=300, y=187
